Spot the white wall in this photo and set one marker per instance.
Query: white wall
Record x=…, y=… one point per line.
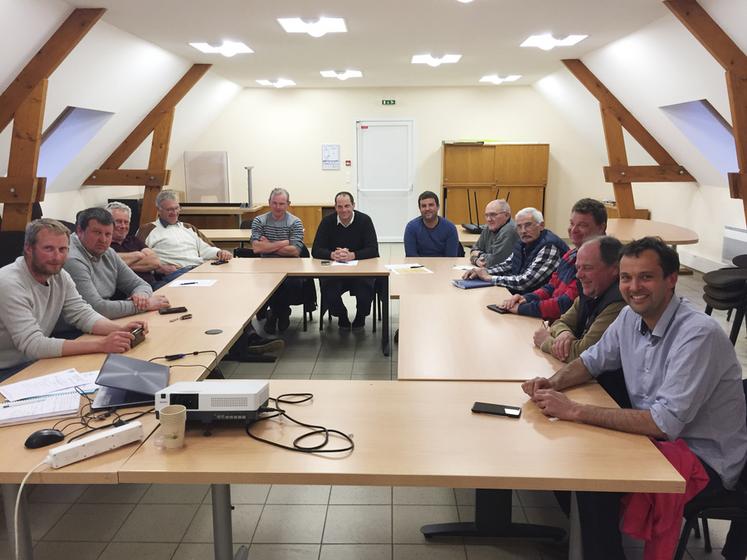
x=280, y=133
x=663, y=64
x=109, y=70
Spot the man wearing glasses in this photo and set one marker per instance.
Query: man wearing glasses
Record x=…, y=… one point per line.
x=175, y=242
x=498, y=239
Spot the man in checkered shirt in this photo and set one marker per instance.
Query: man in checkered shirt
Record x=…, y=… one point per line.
x=534, y=258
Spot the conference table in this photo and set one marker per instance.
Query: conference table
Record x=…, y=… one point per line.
x=312, y=268
x=406, y=434
x=465, y=238
x=227, y=235
x=628, y=229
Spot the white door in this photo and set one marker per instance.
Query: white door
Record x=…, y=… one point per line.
x=386, y=175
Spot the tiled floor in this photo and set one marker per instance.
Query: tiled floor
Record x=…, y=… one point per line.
x=173, y=522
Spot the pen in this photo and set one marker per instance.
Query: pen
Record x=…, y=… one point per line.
x=187, y=283
x=417, y=266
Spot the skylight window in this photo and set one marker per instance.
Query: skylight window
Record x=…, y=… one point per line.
x=547, y=42
x=341, y=75
x=227, y=48
x=707, y=130
x=317, y=28
x=433, y=61
x=279, y=83
x=64, y=140
x=496, y=79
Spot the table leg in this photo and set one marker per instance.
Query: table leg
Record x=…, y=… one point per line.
x=492, y=519
x=222, y=529
x=25, y=548
x=385, y=348
x=575, y=547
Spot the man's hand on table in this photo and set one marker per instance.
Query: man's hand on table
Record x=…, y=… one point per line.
x=561, y=346
x=480, y=273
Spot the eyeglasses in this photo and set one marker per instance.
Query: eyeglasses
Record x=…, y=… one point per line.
x=174, y=209
x=494, y=214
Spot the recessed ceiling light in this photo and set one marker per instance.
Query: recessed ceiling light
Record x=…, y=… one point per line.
x=279, y=83
x=341, y=75
x=465, y=1
x=496, y=79
x=227, y=48
x=546, y=41
x=434, y=61
x=317, y=28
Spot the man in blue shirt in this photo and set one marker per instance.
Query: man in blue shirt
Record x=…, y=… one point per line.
x=430, y=235
x=683, y=379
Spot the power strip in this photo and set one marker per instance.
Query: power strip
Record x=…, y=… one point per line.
x=95, y=444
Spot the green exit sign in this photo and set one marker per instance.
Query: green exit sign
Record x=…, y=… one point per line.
x=388, y=102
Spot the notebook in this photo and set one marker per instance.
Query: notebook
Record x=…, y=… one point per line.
x=470, y=284
x=63, y=403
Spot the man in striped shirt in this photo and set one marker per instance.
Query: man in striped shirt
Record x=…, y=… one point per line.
x=278, y=233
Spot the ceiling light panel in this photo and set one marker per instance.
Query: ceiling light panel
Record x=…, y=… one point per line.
x=547, y=42
x=496, y=79
x=317, y=28
x=435, y=61
x=341, y=75
x=279, y=83
x=227, y=48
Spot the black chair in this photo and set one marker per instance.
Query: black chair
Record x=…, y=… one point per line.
x=307, y=295
x=11, y=246
x=731, y=505
x=726, y=290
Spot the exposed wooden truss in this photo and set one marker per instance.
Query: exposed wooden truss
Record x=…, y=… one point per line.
x=158, y=122
x=615, y=117
x=734, y=62
x=23, y=103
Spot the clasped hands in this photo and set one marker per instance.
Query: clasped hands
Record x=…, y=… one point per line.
x=342, y=254
x=552, y=403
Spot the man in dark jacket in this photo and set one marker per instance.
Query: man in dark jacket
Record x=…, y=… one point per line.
x=347, y=235
x=535, y=257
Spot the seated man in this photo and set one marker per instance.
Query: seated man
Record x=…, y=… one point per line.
x=684, y=382
x=430, y=235
x=344, y=236
x=535, y=257
x=36, y=293
x=497, y=240
x=175, y=242
x=136, y=254
x=588, y=219
x=278, y=233
x=101, y=277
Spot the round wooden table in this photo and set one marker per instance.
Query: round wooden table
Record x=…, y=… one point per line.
x=627, y=229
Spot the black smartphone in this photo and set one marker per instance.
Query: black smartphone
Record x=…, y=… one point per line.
x=139, y=337
x=494, y=307
x=170, y=310
x=326, y=263
x=498, y=409
x=215, y=263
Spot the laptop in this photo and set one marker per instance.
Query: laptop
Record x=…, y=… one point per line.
x=126, y=382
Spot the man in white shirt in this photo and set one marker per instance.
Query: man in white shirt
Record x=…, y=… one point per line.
x=175, y=242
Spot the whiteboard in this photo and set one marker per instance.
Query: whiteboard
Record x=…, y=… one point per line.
x=206, y=176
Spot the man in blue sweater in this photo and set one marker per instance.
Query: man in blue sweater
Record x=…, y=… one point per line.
x=430, y=235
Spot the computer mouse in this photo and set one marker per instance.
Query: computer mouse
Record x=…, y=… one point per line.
x=42, y=438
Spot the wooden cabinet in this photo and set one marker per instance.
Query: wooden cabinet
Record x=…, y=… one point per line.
x=517, y=172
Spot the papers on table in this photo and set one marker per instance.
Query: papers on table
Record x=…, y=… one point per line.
x=63, y=403
x=191, y=283
x=409, y=268
x=462, y=267
x=349, y=263
x=46, y=384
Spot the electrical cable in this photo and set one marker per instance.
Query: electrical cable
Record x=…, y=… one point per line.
x=179, y=356
x=18, y=504
x=314, y=430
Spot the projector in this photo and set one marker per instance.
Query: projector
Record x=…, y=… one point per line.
x=217, y=400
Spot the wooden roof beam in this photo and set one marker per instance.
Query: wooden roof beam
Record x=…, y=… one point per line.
x=46, y=60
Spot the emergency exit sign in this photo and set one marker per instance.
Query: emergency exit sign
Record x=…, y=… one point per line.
x=388, y=101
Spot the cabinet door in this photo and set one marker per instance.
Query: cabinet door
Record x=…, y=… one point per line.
x=523, y=197
x=310, y=216
x=468, y=164
x=521, y=164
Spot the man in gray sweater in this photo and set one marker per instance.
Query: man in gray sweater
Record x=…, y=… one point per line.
x=101, y=276
x=36, y=292
x=497, y=240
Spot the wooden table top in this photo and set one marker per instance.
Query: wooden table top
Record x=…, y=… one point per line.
x=418, y=434
x=216, y=210
x=455, y=337
x=433, y=279
x=235, y=234
x=465, y=238
x=296, y=267
x=627, y=229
